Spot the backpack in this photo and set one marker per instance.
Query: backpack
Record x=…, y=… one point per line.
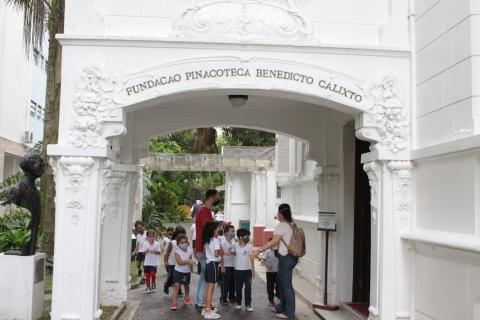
x=296, y=247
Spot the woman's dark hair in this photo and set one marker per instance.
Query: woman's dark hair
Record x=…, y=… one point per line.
x=210, y=193
x=178, y=231
x=227, y=228
x=181, y=237
x=242, y=232
x=284, y=209
x=139, y=223
x=209, y=231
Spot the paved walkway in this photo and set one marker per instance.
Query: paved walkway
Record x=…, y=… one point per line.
x=156, y=306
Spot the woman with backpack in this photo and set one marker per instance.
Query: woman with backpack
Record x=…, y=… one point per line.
x=291, y=245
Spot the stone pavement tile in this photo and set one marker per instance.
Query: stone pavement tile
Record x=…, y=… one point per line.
x=156, y=306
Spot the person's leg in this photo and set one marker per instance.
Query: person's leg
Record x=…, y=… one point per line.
x=231, y=283
x=287, y=286
x=187, y=291
x=248, y=288
x=280, y=308
x=238, y=286
x=208, y=296
x=270, y=285
x=176, y=287
x=153, y=277
x=275, y=280
x=201, y=280
x=224, y=288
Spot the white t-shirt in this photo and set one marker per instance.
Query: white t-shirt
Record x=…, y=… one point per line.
x=184, y=255
x=242, y=257
x=151, y=259
x=141, y=238
x=210, y=248
x=165, y=242
x=270, y=258
x=171, y=258
x=285, y=230
x=194, y=233
x=228, y=261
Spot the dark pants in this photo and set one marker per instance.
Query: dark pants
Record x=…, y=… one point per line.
x=287, y=294
x=228, y=285
x=244, y=277
x=272, y=285
x=169, y=282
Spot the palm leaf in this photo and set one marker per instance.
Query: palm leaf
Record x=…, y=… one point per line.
x=34, y=21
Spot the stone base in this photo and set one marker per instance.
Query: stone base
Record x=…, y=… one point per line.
x=22, y=282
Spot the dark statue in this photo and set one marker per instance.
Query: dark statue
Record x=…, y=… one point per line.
x=25, y=194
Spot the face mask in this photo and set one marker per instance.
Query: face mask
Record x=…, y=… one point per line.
x=216, y=203
x=231, y=235
x=246, y=239
x=183, y=246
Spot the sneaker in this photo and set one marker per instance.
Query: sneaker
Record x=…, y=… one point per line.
x=148, y=290
x=187, y=300
x=238, y=307
x=224, y=302
x=281, y=316
x=212, y=315
x=154, y=286
x=249, y=309
x=173, y=307
x=204, y=312
x=271, y=303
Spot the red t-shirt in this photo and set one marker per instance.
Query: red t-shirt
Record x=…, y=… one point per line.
x=204, y=215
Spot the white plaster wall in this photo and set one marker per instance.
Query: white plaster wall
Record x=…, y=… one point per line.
x=448, y=70
x=15, y=76
x=367, y=22
x=447, y=191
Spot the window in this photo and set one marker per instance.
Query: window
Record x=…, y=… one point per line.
x=39, y=112
x=33, y=108
x=279, y=192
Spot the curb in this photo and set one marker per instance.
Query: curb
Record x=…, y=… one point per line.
x=136, y=284
x=121, y=308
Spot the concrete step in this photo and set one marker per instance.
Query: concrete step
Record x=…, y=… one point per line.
x=334, y=315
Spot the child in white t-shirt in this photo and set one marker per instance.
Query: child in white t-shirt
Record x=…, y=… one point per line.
x=228, y=272
x=169, y=259
x=151, y=249
x=244, y=269
x=213, y=260
x=271, y=262
x=183, y=268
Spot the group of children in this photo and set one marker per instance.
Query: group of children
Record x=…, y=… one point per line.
x=227, y=260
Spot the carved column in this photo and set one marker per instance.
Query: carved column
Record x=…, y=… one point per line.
x=78, y=222
x=390, y=184
x=119, y=185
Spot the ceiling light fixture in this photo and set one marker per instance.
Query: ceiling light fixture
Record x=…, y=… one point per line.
x=238, y=100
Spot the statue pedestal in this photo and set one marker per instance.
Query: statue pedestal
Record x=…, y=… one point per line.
x=22, y=281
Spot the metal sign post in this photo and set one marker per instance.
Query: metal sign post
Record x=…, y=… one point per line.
x=327, y=221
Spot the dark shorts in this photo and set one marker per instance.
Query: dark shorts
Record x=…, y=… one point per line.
x=180, y=277
x=211, y=272
x=149, y=269
x=140, y=256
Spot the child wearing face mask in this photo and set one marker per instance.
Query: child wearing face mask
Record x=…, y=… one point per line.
x=183, y=268
x=244, y=269
x=228, y=271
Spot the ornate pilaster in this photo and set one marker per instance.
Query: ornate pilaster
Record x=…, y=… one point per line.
x=402, y=189
x=119, y=186
x=77, y=237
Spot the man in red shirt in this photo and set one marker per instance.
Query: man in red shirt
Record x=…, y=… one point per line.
x=204, y=215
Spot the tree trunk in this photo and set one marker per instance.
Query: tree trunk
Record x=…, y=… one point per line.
x=50, y=130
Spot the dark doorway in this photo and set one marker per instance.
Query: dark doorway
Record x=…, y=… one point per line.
x=361, y=231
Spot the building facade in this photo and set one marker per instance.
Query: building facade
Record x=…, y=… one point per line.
x=382, y=95
x=22, y=92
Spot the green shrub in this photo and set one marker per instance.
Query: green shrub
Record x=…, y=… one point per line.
x=14, y=229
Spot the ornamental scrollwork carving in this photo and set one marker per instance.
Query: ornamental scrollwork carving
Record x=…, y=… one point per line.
x=93, y=105
x=402, y=189
x=386, y=121
x=243, y=20
x=77, y=170
x=373, y=172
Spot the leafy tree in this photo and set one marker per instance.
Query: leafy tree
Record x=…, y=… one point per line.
x=248, y=137
x=39, y=16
